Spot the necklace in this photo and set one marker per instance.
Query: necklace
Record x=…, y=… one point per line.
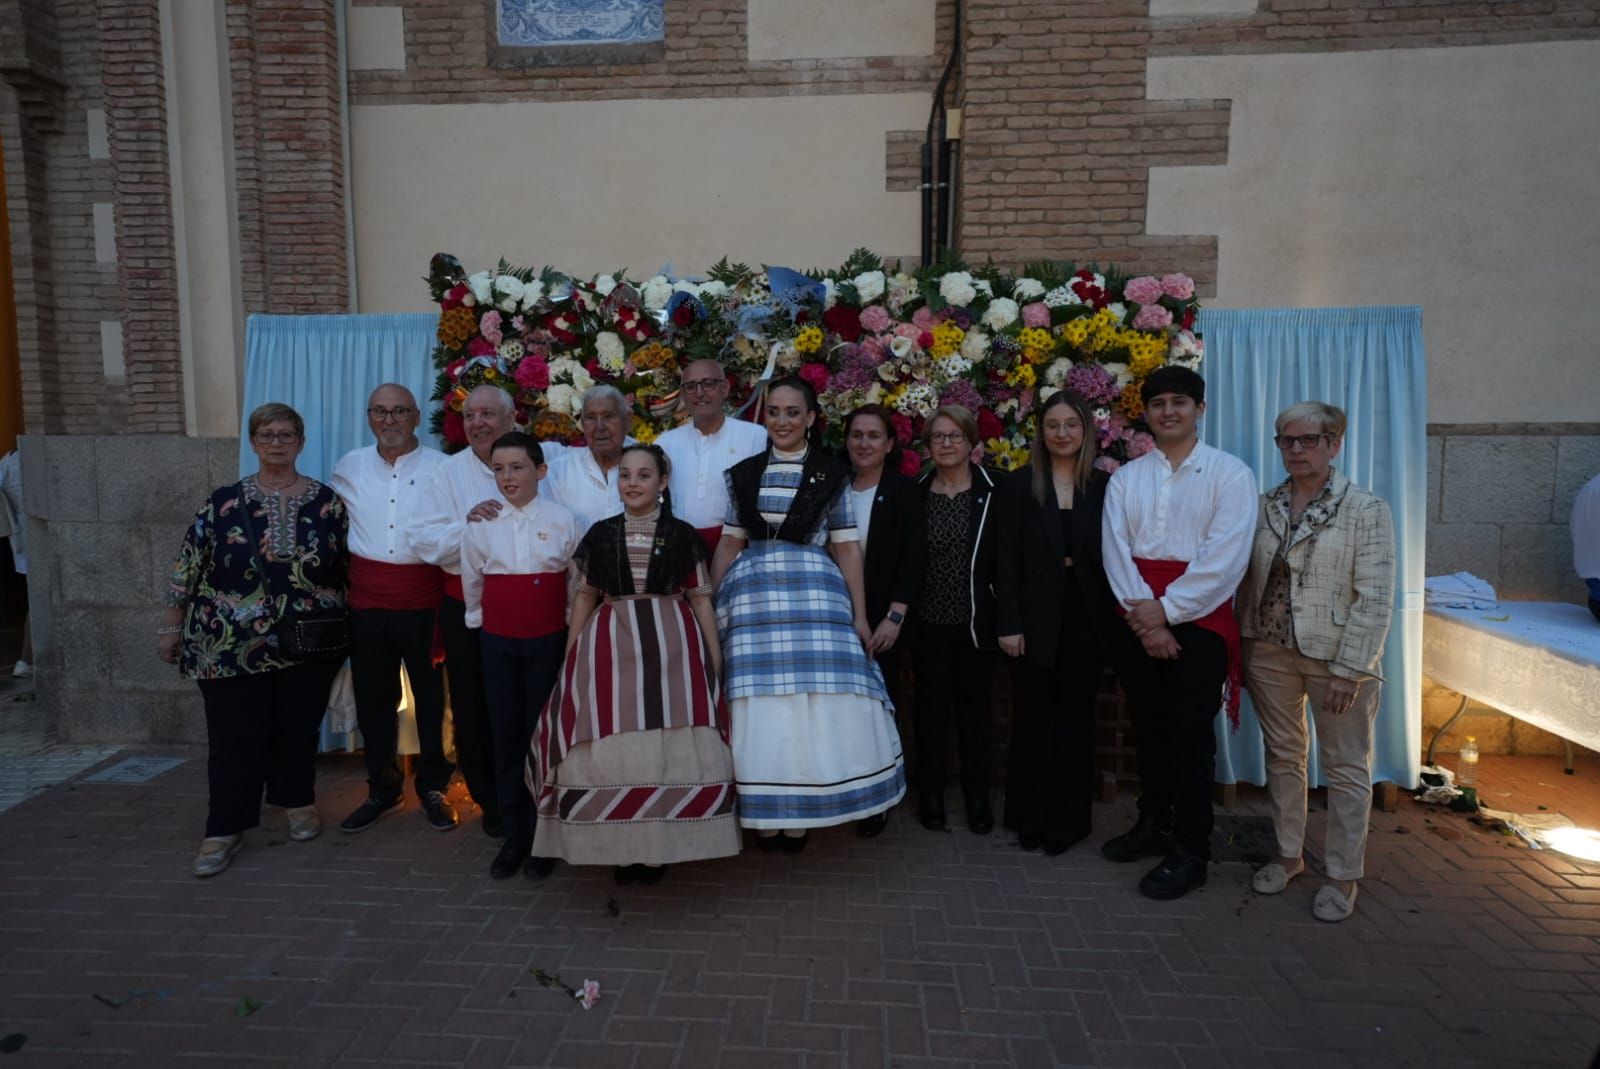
x=276, y=489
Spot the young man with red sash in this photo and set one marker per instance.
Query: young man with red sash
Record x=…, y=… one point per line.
x=1177, y=530
x=514, y=578
x=394, y=606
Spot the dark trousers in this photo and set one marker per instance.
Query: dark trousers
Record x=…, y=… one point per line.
x=470, y=715
x=518, y=676
x=952, y=684
x=380, y=641
x=261, y=734
x=1050, y=782
x=1174, y=708
x=1594, y=607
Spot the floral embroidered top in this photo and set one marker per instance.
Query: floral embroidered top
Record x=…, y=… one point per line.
x=227, y=629
x=1277, y=593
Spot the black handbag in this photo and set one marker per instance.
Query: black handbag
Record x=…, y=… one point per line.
x=302, y=636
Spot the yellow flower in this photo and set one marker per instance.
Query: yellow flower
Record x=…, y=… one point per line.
x=1130, y=402
x=1076, y=332
x=947, y=338
x=1022, y=375
x=808, y=340
x=643, y=430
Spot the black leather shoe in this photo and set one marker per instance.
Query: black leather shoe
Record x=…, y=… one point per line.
x=369, y=813
x=980, y=818
x=1029, y=843
x=439, y=813
x=493, y=826
x=1178, y=874
x=509, y=859
x=625, y=874
x=930, y=811
x=537, y=868
x=1144, y=839
x=769, y=844
x=650, y=875
x=872, y=827
x=793, y=844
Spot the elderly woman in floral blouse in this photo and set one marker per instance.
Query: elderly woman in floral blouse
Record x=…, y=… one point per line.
x=263, y=709
x=1314, y=613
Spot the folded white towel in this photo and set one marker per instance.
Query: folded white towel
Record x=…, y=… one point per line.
x=1463, y=590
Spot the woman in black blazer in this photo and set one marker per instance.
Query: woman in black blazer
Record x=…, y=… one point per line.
x=1054, y=608
x=955, y=620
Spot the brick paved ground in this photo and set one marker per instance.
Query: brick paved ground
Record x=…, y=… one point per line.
x=394, y=948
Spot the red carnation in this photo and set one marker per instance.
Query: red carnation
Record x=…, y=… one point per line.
x=532, y=374
x=903, y=432
x=453, y=296
x=480, y=346
x=453, y=368
x=845, y=322
x=455, y=428
x=816, y=375
x=596, y=372
x=925, y=340
x=989, y=425
x=910, y=464
x=560, y=327
x=1188, y=318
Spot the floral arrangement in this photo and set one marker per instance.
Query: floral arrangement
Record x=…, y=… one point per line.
x=865, y=332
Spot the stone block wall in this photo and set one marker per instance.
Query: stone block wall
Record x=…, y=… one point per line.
x=105, y=517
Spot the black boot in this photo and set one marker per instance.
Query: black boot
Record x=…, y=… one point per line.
x=1179, y=873
x=1145, y=839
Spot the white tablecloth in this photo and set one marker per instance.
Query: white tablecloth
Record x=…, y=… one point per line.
x=1536, y=660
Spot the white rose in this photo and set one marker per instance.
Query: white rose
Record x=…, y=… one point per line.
x=656, y=292
x=713, y=289
x=869, y=286
x=1056, y=373
x=1026, y=289
x=1119, y=372
x=957, y=289
x=1047, y=392
x=608, y=347
x=829, y=292
x=901, y=347
x=481, y=283
x=532, y=293
x=975, y=346
x=508, y=291
x=1001, y=313
x=563, y=398
x=604, y=284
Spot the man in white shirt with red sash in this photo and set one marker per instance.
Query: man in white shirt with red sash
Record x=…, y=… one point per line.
x=1177, y=531
x=584, y=481
x=394, y=606
x=459, y=485
x=703, y=450
x=514, y=579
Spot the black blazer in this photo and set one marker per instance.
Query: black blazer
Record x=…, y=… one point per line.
x=981, y=525
x=897, y=548
x=1029, y=579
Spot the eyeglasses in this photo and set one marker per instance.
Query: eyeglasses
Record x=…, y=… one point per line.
x=947, y=438
x=384, y=415
x=1305, y=441
x=276, y=437
x=704, y=385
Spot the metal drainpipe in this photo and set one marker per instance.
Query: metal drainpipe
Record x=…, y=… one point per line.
x=341, y=25
x=936, y=231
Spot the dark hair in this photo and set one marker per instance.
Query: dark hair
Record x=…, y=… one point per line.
x=1173, y=379
x=795, y=382
x=663, y=465
x=519, y=440
x=1041, y=452
x=883, y=415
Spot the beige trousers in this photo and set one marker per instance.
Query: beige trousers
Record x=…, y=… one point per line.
x=1280, y=681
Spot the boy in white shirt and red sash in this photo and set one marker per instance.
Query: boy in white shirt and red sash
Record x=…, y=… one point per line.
x=514, y=582
x=1177, y=531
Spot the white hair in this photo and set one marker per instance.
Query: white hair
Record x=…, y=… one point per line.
x=503, y=401
x=606, y=392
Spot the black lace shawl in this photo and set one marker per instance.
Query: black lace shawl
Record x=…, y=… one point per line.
x=821, y=479
x=602, y=557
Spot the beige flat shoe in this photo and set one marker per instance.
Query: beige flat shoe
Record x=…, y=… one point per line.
x=304, y=823
x=1272, y=878
x=1331, y=905
x=215, y=853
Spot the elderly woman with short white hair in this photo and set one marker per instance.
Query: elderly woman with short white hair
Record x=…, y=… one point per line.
x=1314, y=612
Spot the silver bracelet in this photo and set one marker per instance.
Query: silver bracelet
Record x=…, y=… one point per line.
x=169, y=630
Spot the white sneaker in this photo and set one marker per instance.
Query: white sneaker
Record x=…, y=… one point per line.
x=21, y=670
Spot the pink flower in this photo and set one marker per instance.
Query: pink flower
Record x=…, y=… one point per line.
x=1179, y=287
x=907, y=330
x=1036, y=314
x=816, y=375
x=489, y=327
x=1152, y=317
x=910, y=462
x=1106, y=464
x=588, y=994
x=1139, y=444
x=1146, y=289
x=874, y=350
x=532, y=374
x=924, y=319
x=875, y=319
x=903, y=430
x=480, y=346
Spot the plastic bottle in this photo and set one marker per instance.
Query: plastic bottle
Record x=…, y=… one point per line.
x=1467, y=763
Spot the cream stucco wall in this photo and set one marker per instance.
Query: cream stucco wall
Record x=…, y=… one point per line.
x=602, y=185
x=835, y=29
x=1464, y=180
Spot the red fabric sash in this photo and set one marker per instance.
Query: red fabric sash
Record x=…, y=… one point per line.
x=452, y=587
x=525, y=606
x=375, y=584
x=1160, y=574
x=710, y=536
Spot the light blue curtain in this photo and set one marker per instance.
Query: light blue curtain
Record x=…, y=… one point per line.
x=324, y=367
x=1369, y=362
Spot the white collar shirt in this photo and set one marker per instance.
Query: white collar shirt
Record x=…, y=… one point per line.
x=457, y=486
x=576, y=482
x=700, y=464
x=1586, y=530
x=380, y=498
x=537, y=539
x=1203, y=512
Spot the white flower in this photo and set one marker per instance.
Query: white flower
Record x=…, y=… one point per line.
x=683, y=285
x=982, y=286
x=869, y=286
x=532, y=293
x=1119, y=310
x=1026, y=289
x=1188, y=349
x=902, y=290
x=901, y=347
x=1056, y=373
x=975, y=346
x=567, y=370
x=1005, y=408
x=829, y=292
x=656, y=292
x=785, y=356
x=713, y=289
x=957, y=289
x=1001, y=313
x=609, y=349
x=953, y=366
x=1061, y=297
x=1119, y=372
x=1102, y=414
x=564, y=399
x=508, y=291
x=481, y=283
x=604, y=284
x=1047, y=392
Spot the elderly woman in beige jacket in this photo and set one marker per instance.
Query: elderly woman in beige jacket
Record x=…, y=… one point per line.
x=1314, y=612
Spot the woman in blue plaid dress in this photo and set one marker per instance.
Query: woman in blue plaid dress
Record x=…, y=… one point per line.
x=812, y=727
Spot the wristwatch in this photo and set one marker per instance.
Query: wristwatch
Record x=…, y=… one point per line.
x=896, y=617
